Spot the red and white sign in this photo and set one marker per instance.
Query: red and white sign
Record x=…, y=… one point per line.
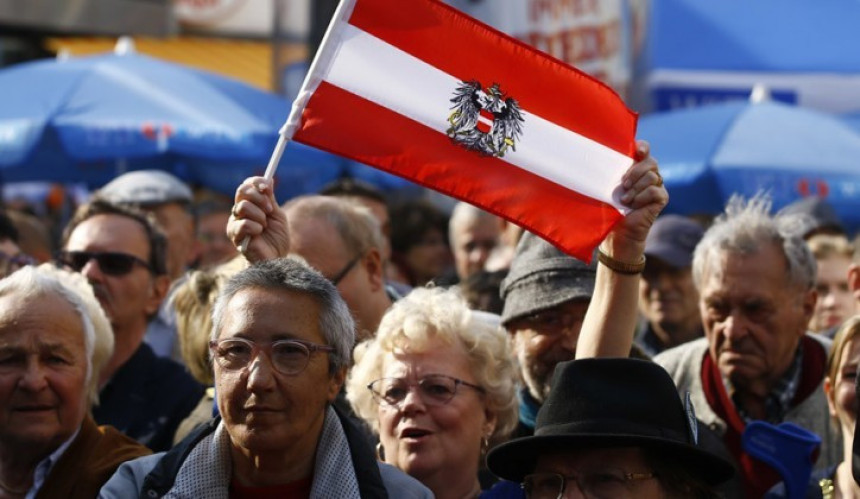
x=600, y=37
x=381, y=91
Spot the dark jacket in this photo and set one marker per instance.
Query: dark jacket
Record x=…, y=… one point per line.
x=147, y=398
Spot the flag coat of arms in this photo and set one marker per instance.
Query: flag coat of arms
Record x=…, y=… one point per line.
x=419, y=89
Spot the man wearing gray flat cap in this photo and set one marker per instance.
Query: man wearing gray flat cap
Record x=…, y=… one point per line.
x=546, y=295
x=168, y=200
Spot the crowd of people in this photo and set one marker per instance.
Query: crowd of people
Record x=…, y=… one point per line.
x=360, y=350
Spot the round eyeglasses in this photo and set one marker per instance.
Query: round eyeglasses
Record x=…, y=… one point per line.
x=434, y=389
x=606, y=483
x=288, y=357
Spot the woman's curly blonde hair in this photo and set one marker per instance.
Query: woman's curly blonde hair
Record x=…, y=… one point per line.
x=426, y=315
x=193, y=300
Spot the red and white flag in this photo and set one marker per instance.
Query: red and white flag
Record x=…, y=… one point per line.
x=420, y=90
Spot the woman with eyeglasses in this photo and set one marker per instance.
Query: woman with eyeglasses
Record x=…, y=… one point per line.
x=437, y=385
x=280, y=346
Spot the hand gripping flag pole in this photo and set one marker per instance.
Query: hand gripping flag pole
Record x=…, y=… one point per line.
x=285, y=134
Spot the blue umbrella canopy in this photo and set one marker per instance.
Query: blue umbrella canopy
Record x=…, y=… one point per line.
x=88, y=119
x=707, y=154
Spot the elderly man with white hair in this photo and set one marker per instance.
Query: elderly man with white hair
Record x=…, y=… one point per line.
x=54, y=340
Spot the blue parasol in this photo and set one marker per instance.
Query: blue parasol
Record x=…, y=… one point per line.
x=88, y=119
x=707, y=154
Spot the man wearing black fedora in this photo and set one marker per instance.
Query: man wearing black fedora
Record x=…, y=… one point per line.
x=612, y=428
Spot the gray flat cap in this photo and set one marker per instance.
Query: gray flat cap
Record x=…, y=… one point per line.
x=815, y=215
x=146, y=187
x=542, y=277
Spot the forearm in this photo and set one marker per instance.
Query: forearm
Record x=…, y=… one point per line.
x=610, y=322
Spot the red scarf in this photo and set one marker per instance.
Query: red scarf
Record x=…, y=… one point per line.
x=757, y=476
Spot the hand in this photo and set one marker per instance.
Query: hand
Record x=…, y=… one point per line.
x=642, y=191
x=257, y=215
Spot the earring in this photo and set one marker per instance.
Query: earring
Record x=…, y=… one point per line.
x=380, y=452
x=485, y=445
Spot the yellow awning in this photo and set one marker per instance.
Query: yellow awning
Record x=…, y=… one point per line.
x=247, y=60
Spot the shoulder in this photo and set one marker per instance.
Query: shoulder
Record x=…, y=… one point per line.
x=683, y=357
x=821, y=340
x=128, y=479
x=111, y=448
x=400, y=485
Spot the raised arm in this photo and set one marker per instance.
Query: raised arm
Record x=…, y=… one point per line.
x=610, y=321
x=257, y=215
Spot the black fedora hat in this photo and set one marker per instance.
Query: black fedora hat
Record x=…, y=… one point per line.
x=618, y=402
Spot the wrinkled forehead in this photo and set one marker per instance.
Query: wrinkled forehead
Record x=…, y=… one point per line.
x=270, y=314
x=42, y=318
x=110, y=232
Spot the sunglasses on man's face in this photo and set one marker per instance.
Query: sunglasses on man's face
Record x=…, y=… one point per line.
x=110, y=262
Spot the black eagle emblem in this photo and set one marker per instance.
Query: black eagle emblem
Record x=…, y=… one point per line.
x=485, y=120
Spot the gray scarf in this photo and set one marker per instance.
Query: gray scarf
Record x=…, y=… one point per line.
x=207, y=471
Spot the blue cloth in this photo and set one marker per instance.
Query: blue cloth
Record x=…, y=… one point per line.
x=504, y=489
x=147, y=398
x=813, y=489
x=529, y=408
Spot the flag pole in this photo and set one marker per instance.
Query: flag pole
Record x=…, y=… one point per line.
x=322, y=60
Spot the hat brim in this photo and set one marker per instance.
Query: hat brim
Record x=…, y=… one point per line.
x=514, y=459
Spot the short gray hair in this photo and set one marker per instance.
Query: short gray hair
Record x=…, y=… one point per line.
x=745, y=228
x=426, y=314
x=34, y=282
x=292, y=274
x=354, y=223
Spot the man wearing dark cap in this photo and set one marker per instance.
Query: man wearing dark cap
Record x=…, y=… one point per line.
x=546, y=296
x=168, y=199
x=668, y=300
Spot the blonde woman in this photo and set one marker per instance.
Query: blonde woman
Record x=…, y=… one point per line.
x=437, y=385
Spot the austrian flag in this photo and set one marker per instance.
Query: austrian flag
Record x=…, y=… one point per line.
x=418, y=89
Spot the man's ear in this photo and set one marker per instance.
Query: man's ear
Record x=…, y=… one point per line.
x=810, y=298
x=372, y=262
x=157, y=293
